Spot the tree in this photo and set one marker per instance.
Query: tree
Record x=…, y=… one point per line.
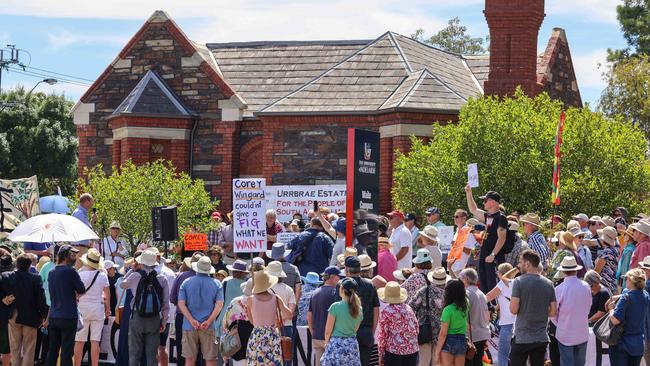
x=453, y=38
x=512, y=140
x=634, y=17
x=128, y=194
x=37, y=136
x=627, y=94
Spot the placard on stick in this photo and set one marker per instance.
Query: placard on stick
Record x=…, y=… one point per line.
x=249, y=210
x=472, y=175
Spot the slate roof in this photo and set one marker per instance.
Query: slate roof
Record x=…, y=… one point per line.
x=152, y=96
x=480, y=66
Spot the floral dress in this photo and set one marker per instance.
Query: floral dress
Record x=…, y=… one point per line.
x=436, y=304
x=397, y=330
x=303, y=304
x=237, y=312
x=608, y=273
x=415, y=282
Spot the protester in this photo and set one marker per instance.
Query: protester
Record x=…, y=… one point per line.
x=520, y=245
x=173, y=297
x=629, y=245
x=479, y=316
x=273, y=228
x=582, y=251
x=410, y=221
x=427, y=305
x=386, y=261
x=339, y=245
x=462, y=245
x=279, y=253
x=397, y=329
x=94, y=305
x=452, y=342
x=343, y=321
x=232, y=288
x=216, y=226
x=642, y=239
x=592, y=239
x=314, y=247
x=433, y=217
x=86, y=203
x=607, y=261
x=150, y=308
x=400, y=239
x=583, y=221
x=491, y=253
x=319, y=305
x=6, y=268
x=162, y=269
x=502, y=293
x=113, y=247
x=535, y=238
x=565, y=247
x=225, y=241
x=216, y=256
x=200, y=300
x=236, y=316
x=599, y=296
x=265, y=310
x=428, y=239
x=631, y=310
x=64, y=284
x=533, y=302
x=310, y=285
x=645, y=266
x=367, y=266
x=418, y=279
x=286, y=293
x=573, y=298
x=122, y=358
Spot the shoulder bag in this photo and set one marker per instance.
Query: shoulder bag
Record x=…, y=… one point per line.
x=80, y=319
x=285, y=342
x=119, y=309
x=425, y=334
x=607, y=332
x=230, y=343
x=471, y=348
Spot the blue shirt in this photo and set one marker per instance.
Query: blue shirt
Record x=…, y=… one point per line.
x=64, y=284
x=82, y=214
x=200, y=294
x=319, y=305
x=632, y=309
x=317, y=253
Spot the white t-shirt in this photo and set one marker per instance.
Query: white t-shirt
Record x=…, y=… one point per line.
x=460, y=264
x=287, y=295
x=94, y=295
x=505, y=316
x=401, y=238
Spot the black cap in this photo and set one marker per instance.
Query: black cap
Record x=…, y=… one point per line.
x=349, y=284
x=433, y=210
x=409, y=217
x=491, y=195
x=352, y=262
x=6, y=263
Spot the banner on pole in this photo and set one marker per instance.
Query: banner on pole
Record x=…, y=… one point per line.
x=555, y=195
x=291, y=199
x=249, y=209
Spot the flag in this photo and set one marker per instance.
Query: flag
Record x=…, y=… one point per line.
x=555, y=196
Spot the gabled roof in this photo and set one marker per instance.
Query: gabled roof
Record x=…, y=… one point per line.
x=424, y=90
x=152, y=96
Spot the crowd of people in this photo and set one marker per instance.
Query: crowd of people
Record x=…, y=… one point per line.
x=394, y=297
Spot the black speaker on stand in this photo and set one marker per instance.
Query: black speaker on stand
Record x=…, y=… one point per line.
x=164, y=224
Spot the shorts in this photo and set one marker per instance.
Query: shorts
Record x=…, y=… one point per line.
x=164, y=335
x=94, y=327
x=455, y=344
x=205, y=339
x=4, y=339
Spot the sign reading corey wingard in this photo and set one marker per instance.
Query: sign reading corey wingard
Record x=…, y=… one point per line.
x=248, y=215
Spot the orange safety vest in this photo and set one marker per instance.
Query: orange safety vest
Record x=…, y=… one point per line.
x=457, y=246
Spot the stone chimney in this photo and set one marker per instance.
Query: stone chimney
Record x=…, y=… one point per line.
x=514, y=26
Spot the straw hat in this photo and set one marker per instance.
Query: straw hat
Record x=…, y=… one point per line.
x=262, y=281
x=93, y=259
x=646, y=263
x=569, y=264
x=609, y=221
x=643, y=227
x=148, y=258
x=349, y=252
x=608, y=235
x=630, y=230
x=530, y=218
x=222, y=272
x=203, y=266
x=597, y=219
x=194, y=258
x=430, y=232
x=275, y=269
x=572, y=224
x=383, y=241
x=472, y=222
x=366, y=262
x=438, y=276
x=115, y=225
x=567, y=239
x=41, y=263
x=575, y=231
x=392, y=293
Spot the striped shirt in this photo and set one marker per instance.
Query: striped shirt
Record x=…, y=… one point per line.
x=537, y=243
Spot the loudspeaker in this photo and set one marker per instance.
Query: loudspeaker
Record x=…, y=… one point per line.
x=164, y=223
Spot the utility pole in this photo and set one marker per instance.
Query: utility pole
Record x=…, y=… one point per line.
x=14, y=59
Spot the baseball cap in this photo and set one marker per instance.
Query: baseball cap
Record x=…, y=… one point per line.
x=333, y=271
x=349, y=284
x=491, y=195
x=433, y=210
x=581, y=216
x=216, y=215
x=397, y=213
x=352, y=262
x=340, y=225
x=410, y=217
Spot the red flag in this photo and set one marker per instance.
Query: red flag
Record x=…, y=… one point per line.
x=555, y=196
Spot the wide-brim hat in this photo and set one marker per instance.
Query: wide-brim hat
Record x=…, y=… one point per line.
x=609, y=221
x=392, y=293
x=148, y=258
x=262, y=281
x=312, y=278
x=438, y=276
x=569, y=263
x=378, y=282
x=597, y=219
x=531, y=218
x=93, y=259
x=643, y=227
x=566, y=238
x=203, y=266
x=237, y=266
x=430, y=232
x=423, y=255
x=115, y=225
x=366, y=262
x=645, y=264
x=194, y=258
x=278, y=251
x=247, y=287
x=608, y=235
x=349, y=252
x=399, y=275
x=275, y=269
x=576, y=231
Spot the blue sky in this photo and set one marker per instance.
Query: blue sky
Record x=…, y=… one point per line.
x=79, y=38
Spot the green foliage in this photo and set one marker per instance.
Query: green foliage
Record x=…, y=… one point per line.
x=627, y=94
x=634, y=16
x=37, y=136
x=512, y=140
x=128, y=194
x=453, y=38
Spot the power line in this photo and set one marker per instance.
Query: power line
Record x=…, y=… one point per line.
x=39, y=75
x=60, y=74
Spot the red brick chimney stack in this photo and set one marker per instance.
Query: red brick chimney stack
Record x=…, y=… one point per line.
x=514, y=26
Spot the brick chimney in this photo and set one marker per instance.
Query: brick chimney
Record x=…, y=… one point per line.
x=514, y=25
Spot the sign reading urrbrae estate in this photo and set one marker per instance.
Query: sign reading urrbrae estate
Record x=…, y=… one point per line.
x=249, y=208
x=289, y=200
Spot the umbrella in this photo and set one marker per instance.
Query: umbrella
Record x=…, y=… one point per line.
x=55, y=204
x=52, y=228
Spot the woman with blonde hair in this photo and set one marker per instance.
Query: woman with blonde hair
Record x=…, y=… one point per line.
x=343, y=320
x=631, y=310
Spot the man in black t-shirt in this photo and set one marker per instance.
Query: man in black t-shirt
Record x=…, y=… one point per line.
x=491, y=254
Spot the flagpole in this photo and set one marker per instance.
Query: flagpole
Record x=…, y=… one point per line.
x=555, y=195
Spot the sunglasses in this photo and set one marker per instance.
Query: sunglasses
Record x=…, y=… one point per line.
x=459, y=216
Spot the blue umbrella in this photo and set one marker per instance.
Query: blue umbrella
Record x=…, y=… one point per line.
x=54, y=204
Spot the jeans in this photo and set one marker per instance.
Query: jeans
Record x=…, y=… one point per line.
x=62, y=332
x=505, y=335
x=521, y=353
x=487, y=274
x=144, y=338
x=402, y=360
x=287, y=331
x=573, y=355
x=619, y=357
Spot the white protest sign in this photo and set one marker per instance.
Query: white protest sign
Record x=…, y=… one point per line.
x=289, y=200
x=285, y=236
x=472, y=175
x=249, y=209
x=445, y=237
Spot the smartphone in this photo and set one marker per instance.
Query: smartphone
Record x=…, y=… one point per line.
x=315, y=206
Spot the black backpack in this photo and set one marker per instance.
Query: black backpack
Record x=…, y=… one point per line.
x=148, y=296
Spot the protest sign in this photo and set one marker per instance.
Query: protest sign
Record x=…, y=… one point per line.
x=289, y=200
x=194, y=242
x=445, y=237
x=285, y=237
x=249, y=208
x=472, y=175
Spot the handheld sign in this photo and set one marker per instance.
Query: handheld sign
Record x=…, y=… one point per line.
x=285, y=237
x=445, y=237
x=472, y=175
x=195, y=242
x=249, y=206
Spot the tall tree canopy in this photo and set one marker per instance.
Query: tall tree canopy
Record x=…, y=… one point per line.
x=453, y=38
x=634, y=17
x=603, y=164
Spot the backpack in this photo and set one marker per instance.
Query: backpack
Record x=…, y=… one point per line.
x=511, y=237
x=299, y=245
x=148, y=296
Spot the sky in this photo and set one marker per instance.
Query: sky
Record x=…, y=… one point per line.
x=74, y=40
